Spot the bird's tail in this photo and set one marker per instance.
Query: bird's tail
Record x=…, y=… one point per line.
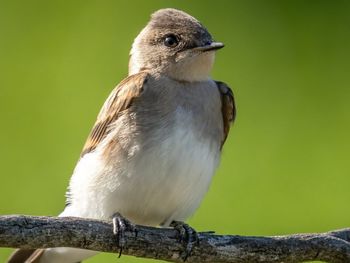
x=25, y=256
x=50, y=255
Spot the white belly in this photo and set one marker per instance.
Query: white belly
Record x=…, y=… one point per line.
x=155, y=186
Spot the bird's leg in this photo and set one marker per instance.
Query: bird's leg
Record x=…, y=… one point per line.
x=188, y=236
x=120, y=226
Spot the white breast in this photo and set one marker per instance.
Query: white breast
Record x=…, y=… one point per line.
x=155, y=186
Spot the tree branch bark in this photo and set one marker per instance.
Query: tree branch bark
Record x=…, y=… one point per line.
x=162, y=243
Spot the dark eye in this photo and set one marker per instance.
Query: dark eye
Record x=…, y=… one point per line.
x=171, y=41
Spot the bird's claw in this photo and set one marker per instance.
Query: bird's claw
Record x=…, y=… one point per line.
x=120, y=226
x=188, y=236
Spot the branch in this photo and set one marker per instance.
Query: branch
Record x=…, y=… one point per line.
x=162, y=243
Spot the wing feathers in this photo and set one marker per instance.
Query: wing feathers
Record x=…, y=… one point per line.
x=228, y=107
x=119, y=100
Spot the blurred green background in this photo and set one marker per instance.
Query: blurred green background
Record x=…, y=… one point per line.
x=285, y=167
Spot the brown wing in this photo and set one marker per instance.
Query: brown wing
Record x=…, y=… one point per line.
x=228, y=107
x=119, y=100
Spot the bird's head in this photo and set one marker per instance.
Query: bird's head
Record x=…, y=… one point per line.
x=175, y=44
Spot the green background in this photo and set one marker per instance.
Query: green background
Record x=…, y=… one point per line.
x=285, y=167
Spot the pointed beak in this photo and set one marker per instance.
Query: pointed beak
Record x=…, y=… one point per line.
x=210, y=47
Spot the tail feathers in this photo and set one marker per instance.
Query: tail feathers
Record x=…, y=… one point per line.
x=26, y=256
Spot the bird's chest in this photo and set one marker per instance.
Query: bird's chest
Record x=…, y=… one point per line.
x=167, y=178
x=163, y=114
x=179, y=147
x=164, y=166
x=183, y=136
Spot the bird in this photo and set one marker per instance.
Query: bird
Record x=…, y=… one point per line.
x=157, y=141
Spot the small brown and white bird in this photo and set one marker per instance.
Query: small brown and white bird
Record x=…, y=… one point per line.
x=157, y=140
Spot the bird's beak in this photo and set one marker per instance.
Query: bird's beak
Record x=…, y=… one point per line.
x=199, y=50
x=210, y=47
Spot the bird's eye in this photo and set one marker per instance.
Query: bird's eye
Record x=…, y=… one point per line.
x=171, y=41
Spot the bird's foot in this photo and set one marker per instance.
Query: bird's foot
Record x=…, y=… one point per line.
x=120, y=226
x=188, y=236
